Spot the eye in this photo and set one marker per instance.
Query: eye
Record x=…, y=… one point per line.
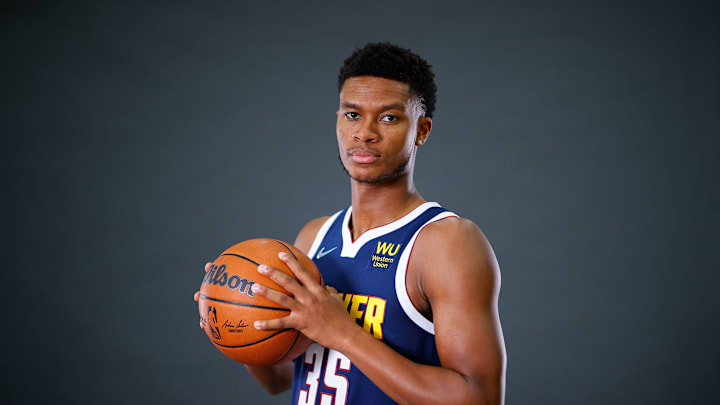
x=389, y=118
x=352, y=115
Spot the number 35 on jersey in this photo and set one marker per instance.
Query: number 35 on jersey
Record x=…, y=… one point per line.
x=334, y=361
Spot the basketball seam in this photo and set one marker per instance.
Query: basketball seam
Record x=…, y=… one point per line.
x=242, y=257
x=286, y=247
x=250, y=344
x=322, y=281
x=242, y=304
x=290, y=349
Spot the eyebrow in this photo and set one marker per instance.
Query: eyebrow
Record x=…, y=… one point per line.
x=395, y=106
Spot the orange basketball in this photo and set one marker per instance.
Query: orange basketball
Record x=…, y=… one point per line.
x=228, y=307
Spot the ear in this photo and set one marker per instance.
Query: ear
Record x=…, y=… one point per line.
x=424, y=127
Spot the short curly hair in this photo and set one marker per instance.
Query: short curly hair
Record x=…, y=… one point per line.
x=383, y=59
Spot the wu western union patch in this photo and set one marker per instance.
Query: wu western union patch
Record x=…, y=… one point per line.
x=385, y=255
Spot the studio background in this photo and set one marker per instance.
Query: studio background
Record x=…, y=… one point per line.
x=140, y=139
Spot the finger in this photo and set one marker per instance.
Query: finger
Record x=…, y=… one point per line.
x=208, y=266
x=275, y=296
x=282, y=279
x=196, y=296
x=334, y=293
x=277, y=323
x=299, y=271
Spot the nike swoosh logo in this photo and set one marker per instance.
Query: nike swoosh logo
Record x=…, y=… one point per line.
x=324, y=252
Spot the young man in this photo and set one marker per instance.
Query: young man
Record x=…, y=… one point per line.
x=420, y=284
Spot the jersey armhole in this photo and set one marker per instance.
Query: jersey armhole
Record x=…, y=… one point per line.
x=401, y=274
x=321, y=234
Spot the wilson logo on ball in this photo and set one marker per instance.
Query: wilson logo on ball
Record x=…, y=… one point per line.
x=217, y=276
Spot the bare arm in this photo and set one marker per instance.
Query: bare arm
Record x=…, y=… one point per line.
x=277, y=379
x=457, y=271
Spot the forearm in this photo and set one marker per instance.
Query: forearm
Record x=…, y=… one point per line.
x=275, y=379
x=407, y=382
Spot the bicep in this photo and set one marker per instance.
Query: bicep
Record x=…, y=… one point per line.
x=469, y=340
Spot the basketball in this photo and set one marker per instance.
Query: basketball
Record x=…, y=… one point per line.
x=228, y=308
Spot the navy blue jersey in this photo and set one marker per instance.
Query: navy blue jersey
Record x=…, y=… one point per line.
x=369, y=274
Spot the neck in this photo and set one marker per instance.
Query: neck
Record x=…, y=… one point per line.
x=375, y=205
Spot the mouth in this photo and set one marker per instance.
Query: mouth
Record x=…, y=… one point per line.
x=364, y=156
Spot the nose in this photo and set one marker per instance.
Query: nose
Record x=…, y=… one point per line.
x=367, y=132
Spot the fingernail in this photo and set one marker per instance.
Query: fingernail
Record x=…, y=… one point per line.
x=258, y=324
x=256, y=288
x=283, y=255
x=263, y=268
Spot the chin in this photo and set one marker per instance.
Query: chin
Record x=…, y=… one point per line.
x=372, y=174
x=363, y=176
x=376, y=178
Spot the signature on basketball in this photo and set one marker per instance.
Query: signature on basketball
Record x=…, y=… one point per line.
x=234, y=328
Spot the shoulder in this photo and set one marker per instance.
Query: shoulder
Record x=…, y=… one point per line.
x=454, y=233
x=456, y=256
x=307, y=234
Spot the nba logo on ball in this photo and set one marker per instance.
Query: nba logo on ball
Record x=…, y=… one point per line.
x=228, y=308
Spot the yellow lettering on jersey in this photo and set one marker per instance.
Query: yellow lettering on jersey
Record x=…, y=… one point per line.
x=355, y=311
x=386, y=248
x=372, y=315
x=346, y=299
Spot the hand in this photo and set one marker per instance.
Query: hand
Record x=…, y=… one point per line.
x=317, y=312
x=196, y=296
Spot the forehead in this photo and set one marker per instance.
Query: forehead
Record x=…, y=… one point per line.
x=370, y=91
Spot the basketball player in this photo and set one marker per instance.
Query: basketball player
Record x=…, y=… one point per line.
x=420, y=284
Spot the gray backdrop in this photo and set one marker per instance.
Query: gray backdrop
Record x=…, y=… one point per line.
x=141, y=139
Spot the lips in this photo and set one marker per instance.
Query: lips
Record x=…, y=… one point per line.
x=364, y=156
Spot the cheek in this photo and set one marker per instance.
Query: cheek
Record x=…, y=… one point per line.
x=403, y=139
x=341, y=129
x=343, y=143
x=410, y=140
x=340, y=136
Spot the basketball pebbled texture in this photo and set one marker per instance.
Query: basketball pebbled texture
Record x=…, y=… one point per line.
x=228, y=308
